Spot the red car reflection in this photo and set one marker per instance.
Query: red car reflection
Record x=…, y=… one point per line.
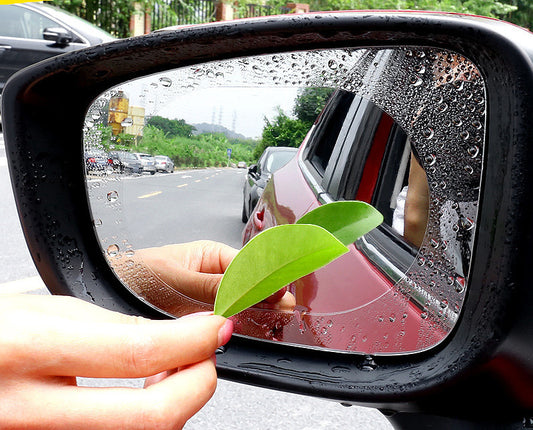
x=363, y=300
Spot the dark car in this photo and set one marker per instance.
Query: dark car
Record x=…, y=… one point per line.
x=97, y=161
x=272, y=159
x=125, y=162
x=426, y=318
x=32, y=32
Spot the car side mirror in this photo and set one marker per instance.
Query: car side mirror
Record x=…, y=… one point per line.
x=451, y=94
x=252, y=170
x=58, y=35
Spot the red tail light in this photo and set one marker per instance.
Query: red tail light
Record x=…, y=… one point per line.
x=91, y=160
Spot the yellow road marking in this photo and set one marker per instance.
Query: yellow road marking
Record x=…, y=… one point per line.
x=155, y=193
x=182, y=185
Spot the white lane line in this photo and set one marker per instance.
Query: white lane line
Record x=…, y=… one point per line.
x=22, y=285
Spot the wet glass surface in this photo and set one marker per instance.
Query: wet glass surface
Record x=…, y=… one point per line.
x=405, y=129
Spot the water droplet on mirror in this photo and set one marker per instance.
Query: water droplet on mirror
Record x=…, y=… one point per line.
x=473, y=151
x=430, y=159
x=127, y=122
x=112, y=196
x=332, y=64
x=112, y=250
x=97, y=222
x=165, y=82
x=467, y=223
x=416, y=81
x=469, y=169
x=428, y=133
x=459, y=284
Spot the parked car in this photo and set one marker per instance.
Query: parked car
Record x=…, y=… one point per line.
x=31, y=32
x=164, y=164
x=272, y=159
x=125, y=162
x=450, y=94
x=147, y=161
x=97, y=161
x=241, y=165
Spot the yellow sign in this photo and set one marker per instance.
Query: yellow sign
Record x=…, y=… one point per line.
x=18, y=1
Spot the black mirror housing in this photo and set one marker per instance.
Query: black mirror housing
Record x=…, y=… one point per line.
x=487, y=357
x=58, y=35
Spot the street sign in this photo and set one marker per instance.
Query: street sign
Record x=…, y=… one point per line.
x=229, y=152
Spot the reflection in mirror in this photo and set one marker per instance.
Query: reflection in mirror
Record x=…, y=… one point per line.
x=402, y=129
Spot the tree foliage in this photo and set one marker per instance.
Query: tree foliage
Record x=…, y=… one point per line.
x=286, y=131
x=172, y=127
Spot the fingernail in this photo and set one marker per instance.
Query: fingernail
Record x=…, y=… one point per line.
x=225, y=332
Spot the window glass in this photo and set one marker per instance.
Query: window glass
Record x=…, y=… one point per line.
x=23, y=23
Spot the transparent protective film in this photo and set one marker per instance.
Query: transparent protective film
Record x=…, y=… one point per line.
x=179, y=162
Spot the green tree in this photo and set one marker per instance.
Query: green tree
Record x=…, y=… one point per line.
x=491, y=8
x=172, y=127
x=310, y=102
x=282, y=131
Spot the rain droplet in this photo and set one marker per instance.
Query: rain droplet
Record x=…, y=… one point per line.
x=112, y=196
x=473, y=151
x=97, y=222
x=416, y=81
x=127, y=122
x=464, y=135
x=332, y=64
x=428, y=133
x=467, y=223
x=112, y=250
x=469, y=169
x=459, y=284
x=166, y=82
x=430, y=159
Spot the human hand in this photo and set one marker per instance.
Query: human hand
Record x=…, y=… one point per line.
x=46, y=341
x=195, y=269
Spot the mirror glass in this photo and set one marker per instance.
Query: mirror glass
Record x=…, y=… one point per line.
x=185, y=156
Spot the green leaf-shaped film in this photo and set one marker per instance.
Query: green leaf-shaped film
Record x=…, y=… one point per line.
x=346, y=220
x=272, y=259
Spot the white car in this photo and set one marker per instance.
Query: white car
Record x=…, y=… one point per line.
x=164, y=164
x=147, y=161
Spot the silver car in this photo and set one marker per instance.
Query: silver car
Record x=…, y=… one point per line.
x=164, y=164
x=147, y=161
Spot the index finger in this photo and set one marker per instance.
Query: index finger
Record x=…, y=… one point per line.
x=119, y=347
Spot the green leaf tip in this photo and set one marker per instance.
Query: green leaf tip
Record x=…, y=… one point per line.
x=272, y=259
x=346, y=220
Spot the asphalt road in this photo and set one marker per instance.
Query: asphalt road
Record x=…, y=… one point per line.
x=234, y=406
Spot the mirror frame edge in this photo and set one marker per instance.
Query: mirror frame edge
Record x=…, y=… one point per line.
x=36, y=132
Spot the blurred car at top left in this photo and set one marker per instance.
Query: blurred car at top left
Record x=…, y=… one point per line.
x=31, y=32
